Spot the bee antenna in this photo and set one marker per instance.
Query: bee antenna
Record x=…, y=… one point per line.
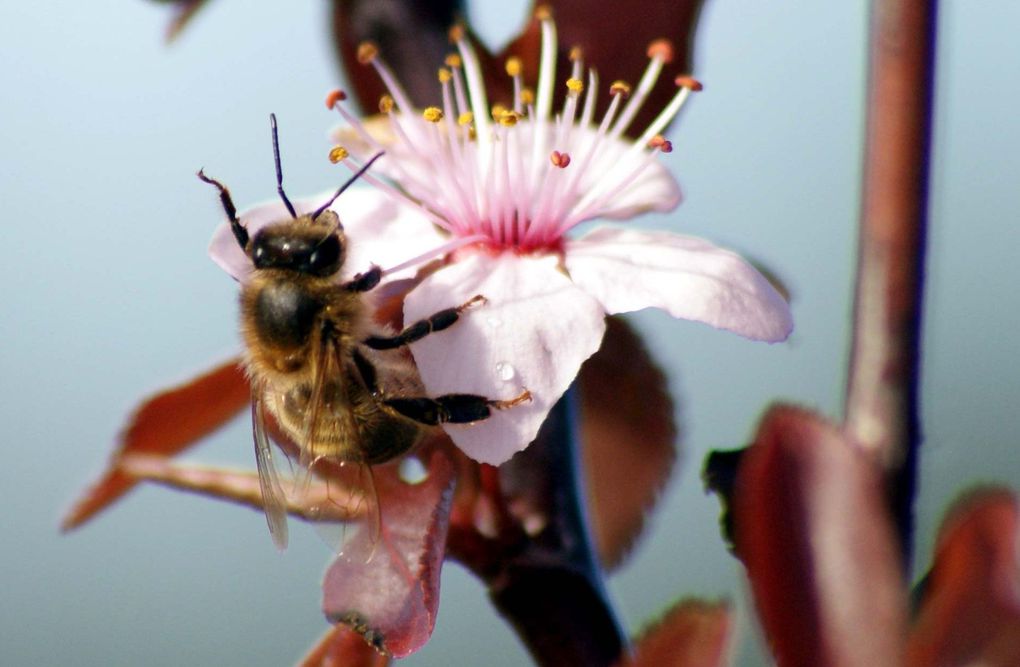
x=279, y=169
x=365, y=167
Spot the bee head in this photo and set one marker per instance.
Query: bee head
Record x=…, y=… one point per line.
x=311, y=246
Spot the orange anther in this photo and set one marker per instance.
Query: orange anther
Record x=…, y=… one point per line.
x=559, y=159
x=367, y=51
x=661, y=49
x=335, y=96
x=688, y=82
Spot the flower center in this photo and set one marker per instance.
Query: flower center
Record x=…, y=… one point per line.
x=513, y=178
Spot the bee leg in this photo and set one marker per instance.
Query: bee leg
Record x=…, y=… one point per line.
x=367, y=372
x=240, y=233
x=364, y=282
x=452, y=408
x=437, y=322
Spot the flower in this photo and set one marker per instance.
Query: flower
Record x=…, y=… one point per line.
x=496, y=192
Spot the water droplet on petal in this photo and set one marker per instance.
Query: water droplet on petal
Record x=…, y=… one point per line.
x=412, y=470
x=505, y=371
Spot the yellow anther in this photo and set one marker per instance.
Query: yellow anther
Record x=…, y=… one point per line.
x=385, y=104
x=367, y=51
x=453, y=60
x=456, y=33
x=497, y=111
x=338, y=153
x=432, y=114
x=508, y=118
x=513, y=66
x=543, y=12
x=621, y=88
x=575, y=53
x=465, y=118
x=527, y=96
x=444, y=75
x=575, y=86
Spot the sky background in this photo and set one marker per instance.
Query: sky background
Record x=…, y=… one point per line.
x=108, y=294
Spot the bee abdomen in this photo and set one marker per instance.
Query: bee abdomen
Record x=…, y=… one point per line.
x=284, y=314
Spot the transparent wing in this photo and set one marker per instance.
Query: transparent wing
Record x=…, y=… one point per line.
x=273, y=499
x=323, y=362
x=350, y=486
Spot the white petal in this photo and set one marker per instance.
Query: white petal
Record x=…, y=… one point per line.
x=534, y=332
x=687, y=277
x=379, y=231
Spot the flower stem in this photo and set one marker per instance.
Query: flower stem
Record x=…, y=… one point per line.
x=547, y=582
x=882, y=395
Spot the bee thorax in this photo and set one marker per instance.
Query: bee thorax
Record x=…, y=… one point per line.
x=284, y=315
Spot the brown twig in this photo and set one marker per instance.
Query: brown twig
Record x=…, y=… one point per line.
x=881, y=404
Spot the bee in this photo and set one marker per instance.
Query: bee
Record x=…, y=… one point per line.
x=320, y=365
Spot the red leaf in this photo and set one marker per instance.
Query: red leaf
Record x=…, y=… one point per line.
x=693, y=633
x=166, y=424
x=388, y=592
x=971, y=610
x=812, y=529
x=628, y=438
x=342, y=647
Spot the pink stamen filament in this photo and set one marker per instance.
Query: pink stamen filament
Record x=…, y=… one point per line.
x=458, y=89
x=486, y=189
x=476, y=95
x=571, y=196
x=637, y=100
x=444, y=249
x=443, y=161
x=391, y=83
x=584, y=209
x=589, y=99
x=400, y=196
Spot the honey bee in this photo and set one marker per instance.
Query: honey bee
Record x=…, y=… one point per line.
x=320, y=365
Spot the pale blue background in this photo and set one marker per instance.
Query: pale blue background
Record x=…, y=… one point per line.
x=108, y=294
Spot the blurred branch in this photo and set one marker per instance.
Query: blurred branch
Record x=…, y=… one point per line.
x=411, y=33
x=881, y=404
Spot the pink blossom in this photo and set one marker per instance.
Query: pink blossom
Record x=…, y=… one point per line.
x=496, y=192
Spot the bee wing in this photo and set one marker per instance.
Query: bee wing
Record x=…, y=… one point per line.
x=322, y=360
x=349, y=481
x=273, y=498
x=360, y=474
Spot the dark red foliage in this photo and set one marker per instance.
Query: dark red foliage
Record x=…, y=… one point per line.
x=628, y=439
x=970, y=614
x=693, y=633
x=813, y=531
x=388, y=590
x=342, y=647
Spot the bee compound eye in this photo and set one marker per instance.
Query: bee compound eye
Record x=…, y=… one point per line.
x=327, y=256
